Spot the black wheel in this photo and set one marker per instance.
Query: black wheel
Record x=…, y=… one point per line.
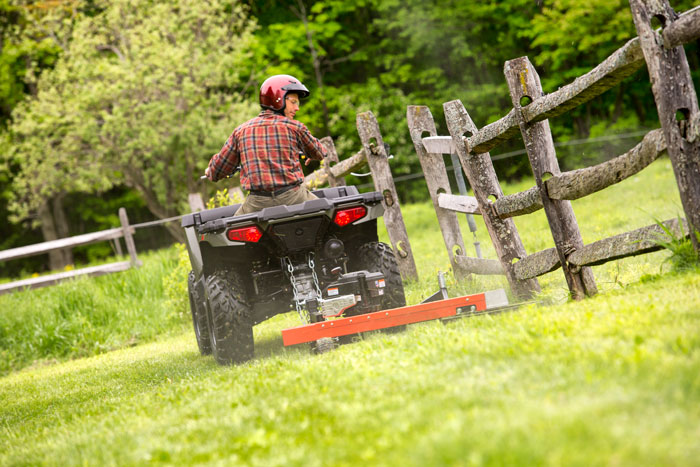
x=379, y=257
x=230, y=318
x=199, y=317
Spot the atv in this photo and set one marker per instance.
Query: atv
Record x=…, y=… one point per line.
x=321, y=258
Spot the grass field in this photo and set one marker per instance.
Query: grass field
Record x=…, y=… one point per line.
x=611, y=380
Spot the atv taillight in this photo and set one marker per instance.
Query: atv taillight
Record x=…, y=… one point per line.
x=245, y=234
x=347, y=216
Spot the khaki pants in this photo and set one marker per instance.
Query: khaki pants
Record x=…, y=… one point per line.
x=254, y=203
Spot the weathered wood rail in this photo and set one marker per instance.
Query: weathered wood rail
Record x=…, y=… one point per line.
x=126, y=231
x=679, y=136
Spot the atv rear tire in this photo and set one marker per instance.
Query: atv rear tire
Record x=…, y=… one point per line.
x=230, y=318
x=379, y=257
x=199, y=317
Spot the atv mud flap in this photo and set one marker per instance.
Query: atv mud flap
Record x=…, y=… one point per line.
x=451, y=307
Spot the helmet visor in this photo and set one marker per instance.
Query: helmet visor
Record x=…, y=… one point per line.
x=297, y=88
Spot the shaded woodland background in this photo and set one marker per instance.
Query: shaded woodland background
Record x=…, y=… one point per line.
x=122, y=103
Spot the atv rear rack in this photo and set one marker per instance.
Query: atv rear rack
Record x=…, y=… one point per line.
x=466, y=305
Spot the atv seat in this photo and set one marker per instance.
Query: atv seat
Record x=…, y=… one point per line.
x=336, y=192
x=325, y=195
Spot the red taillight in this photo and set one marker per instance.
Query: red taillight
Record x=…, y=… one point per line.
x=245, y=234
x=348, y=216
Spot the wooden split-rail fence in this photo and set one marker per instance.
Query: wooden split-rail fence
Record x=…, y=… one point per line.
x=677, y=104
x=126, y=231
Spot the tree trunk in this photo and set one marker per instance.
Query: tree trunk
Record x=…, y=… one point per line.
x=61, y=223
x=48, y=230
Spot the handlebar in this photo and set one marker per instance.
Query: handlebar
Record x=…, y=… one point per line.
x=235, y=171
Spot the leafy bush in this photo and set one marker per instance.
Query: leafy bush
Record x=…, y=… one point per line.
x=224, y=197
x=175, y=283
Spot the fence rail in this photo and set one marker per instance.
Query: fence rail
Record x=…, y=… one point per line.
x=622, y=63
x=677, y=103
x=126, y=231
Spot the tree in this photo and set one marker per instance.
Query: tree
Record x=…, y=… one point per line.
x=143, y=95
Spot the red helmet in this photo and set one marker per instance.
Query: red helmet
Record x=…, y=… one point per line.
x=275, y=88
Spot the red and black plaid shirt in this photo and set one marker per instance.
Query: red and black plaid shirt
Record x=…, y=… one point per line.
x=267, y=147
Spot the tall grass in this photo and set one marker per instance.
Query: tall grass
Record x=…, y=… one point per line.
x=87, y=316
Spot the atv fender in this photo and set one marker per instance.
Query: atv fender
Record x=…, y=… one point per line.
x=194, y=252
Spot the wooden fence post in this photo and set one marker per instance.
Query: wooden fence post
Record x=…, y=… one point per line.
x=676, y=102
x=332, y=157
x=235, y=194
x=128, y=238
x=196, y=202
x=378, y=161
x=482, y=178
x=420, y=120
x=525, y=87
x=117, y=246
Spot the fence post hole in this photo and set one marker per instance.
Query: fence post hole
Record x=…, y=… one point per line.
x=676, y=102
x=482, y=178
x=331, y=157
x=378, y=161
x=525, y=87
x=128, y=238
x=420, y=120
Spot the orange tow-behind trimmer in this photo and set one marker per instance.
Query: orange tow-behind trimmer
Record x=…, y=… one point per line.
x=437, y=306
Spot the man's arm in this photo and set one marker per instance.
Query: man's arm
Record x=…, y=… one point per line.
x=225, y=162
x=311, y=146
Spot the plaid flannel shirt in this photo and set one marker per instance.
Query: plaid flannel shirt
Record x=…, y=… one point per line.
x=267, y=147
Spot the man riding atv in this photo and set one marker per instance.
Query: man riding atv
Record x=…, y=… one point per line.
x=284, y=248
x=267, y=149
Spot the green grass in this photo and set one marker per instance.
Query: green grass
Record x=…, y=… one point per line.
x=610, y=380
x=88, y=315
x=599, y=382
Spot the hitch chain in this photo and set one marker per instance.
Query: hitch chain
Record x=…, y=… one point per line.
x=313, y=274
x=303, y=314
x=299, y=302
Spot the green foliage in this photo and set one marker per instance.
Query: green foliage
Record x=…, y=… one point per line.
x=224, y=197
x=175, y=284
x=26, y=50
x=684, y=256
x=143, y=98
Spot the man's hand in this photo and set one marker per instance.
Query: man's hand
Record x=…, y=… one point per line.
x=207, y=173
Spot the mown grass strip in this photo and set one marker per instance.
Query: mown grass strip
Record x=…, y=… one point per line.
x=582, y=383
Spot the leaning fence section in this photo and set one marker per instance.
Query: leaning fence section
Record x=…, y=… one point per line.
x=677, y=104
x=126, y=231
